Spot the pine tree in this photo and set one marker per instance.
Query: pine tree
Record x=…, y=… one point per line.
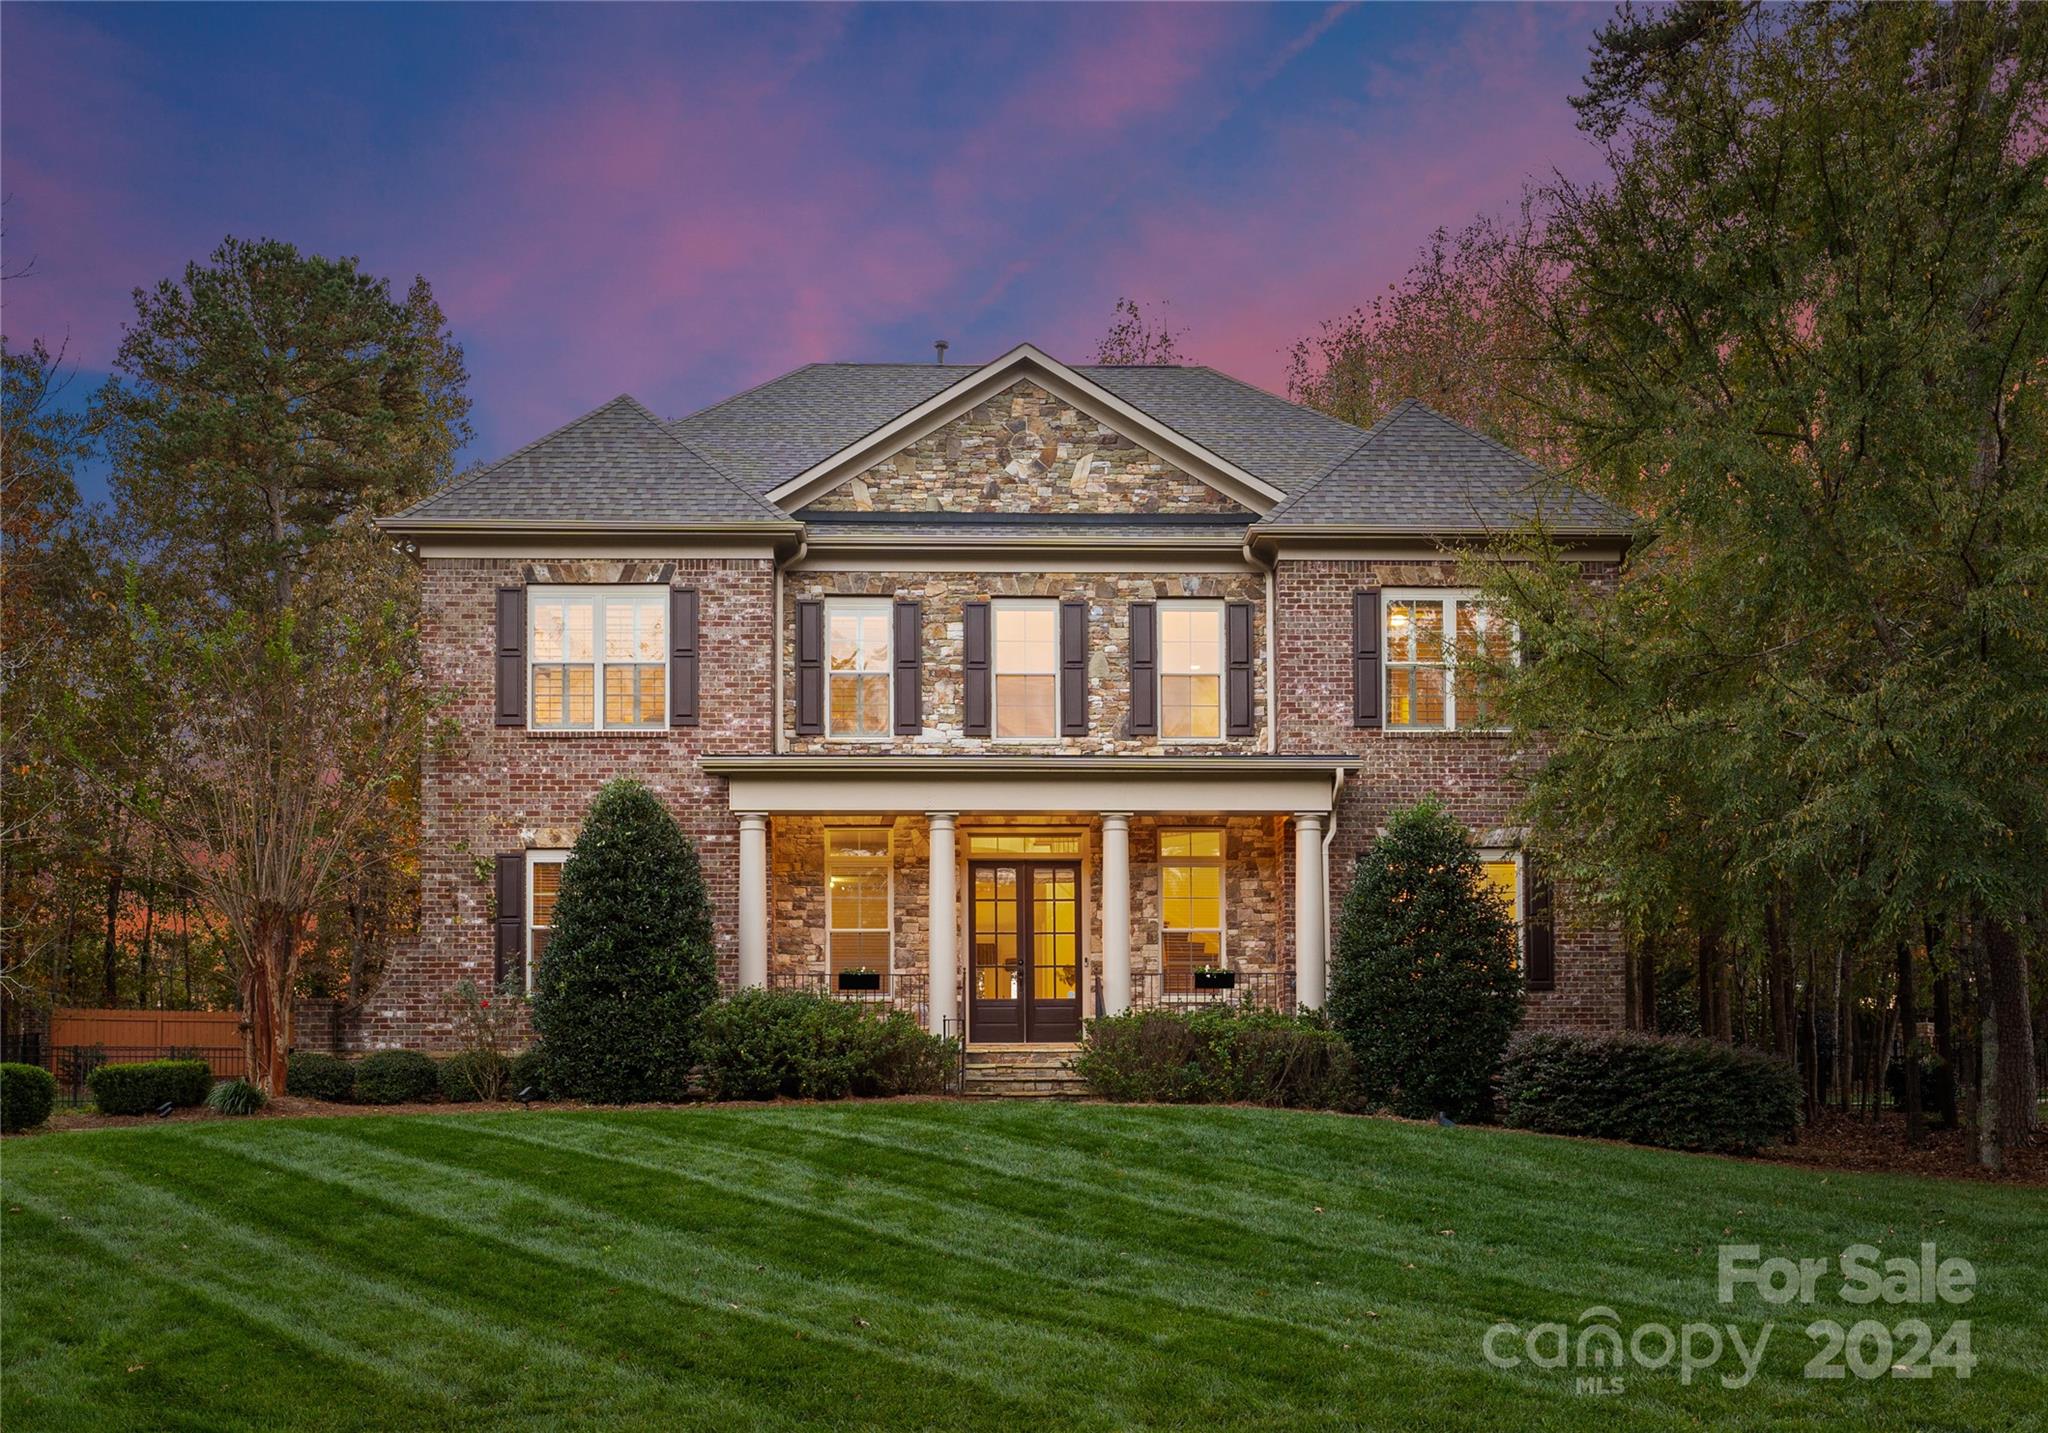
x=629, y=967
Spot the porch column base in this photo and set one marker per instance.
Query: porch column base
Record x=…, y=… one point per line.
x=753, y=898
x=1116, y=912
x=1311, y=970
x=943, y=976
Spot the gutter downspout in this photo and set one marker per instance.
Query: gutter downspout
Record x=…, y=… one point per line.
x=1272, y=651
x=1329, y=835
x=775, y=645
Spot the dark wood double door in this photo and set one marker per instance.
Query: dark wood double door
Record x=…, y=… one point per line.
x=1024, y=936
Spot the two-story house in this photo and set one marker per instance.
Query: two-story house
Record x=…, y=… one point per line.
x=1007, y=694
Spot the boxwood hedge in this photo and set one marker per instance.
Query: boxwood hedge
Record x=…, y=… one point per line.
x=143, y=1088
x=1677, y=1093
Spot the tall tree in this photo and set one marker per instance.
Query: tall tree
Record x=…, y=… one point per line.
x=1135, y=339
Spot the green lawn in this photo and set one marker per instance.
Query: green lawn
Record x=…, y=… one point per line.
x=935, y=1264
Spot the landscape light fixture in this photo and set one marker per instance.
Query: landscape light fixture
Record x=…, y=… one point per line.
x=527, y=1096
x=164, y=1110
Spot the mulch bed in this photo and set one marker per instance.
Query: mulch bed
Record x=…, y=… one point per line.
x=1878, y=1146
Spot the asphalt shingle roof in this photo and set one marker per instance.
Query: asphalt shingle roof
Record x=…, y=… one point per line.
x=1416, y=470
x=617, y=463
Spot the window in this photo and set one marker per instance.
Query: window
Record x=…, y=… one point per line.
x=543, y=884
x=1027, y=667
x=857, y=669
x=599, y=658
x=1190, y=905
x=1434, y=643
x=1023, y=843
x=1501, y=872
x=1191, y=671
x=857, y=917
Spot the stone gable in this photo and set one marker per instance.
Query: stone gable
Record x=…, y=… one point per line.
x=1025, y=451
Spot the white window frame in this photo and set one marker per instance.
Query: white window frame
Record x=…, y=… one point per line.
x=1451, y=599
x=1221, y=861
x=597, y=597
x=995, y=663
x=865, y=606
x=1197, y=604
x=888, y=859
x=533, y=859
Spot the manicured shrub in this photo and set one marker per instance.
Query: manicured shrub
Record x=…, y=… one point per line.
x=1217, y=1056
x=528, y=1071
x=236, y=1097
x=27, y=1094
x=767, y=1044
x=319, y=1077
x=1677, y=1093
x=474, y=1075
x=396, y=1077
x=143, y=1088
x=1426, y=984
x=629, y=966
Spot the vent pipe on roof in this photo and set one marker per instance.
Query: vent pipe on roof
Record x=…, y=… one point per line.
x=941, y=345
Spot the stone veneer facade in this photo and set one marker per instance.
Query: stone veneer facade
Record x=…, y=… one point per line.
x=1024, y=451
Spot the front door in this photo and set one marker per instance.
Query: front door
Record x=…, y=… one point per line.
x=1025, y=939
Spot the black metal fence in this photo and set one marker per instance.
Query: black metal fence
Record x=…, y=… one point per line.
x=1190, y=990
x=903, y=990
x=72, y=1064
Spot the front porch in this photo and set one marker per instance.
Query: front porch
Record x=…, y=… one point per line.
x=1044, y=892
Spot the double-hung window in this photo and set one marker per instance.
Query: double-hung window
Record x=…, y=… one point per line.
x=1190, y=905
x=858, y=654
x=1190, y=671
x=857, y=916
x=1027, y=667
x=598, y=658
x=1438, y=648
x=543, y=885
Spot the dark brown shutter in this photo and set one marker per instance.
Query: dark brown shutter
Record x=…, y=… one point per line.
x=511, y=655
x=1237, y=669
x=511, y=961
x=682, y=657
x=1144, y=669
x=1539, y=927
x=974, y=716
x=1365, y=658
x=909, y=659
x=1073, y=669
x=810, y=668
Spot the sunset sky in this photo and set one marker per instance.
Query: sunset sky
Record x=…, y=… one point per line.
x=678, y=202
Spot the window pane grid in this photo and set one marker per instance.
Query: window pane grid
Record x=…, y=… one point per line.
x=857, y=678
x=577, y=682
x=858, y=925
x=1436, y=649
x=1190, y=905
x=1026, y=669
x=1190, y=672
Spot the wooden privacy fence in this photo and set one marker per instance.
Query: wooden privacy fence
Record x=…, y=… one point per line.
x=142, y=1029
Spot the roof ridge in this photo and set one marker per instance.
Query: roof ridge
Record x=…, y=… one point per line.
x=481, y=473
x=1277, y=398
x=1540, y=473
x=695, y=413
x=662, y=428
x=1353, y=451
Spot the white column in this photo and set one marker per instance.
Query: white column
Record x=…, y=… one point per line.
x=1311, y=974
x=753, y=898
x=1116, y=911
x=943, y=918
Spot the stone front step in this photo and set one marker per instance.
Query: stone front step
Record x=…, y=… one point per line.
x=1022, y=1072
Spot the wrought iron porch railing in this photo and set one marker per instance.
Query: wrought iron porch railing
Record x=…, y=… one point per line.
x=1178, y=990
x=898, y=990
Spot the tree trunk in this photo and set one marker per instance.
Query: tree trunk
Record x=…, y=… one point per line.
x=1945, y=1047
x=1844, y=1032
x=110, y=949
x=2005, y=1106
x=267, y=977
x=1646, y=986
x=1909, y=1049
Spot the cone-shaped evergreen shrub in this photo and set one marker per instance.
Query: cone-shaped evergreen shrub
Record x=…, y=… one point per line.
x=1425, y=984
x=629, y=965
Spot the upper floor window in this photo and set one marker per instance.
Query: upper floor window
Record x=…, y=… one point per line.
x=1027, y=665
x=857, y=668
x=1190, y=905
x=598, y=658
x=1436, y=645
x=1190, y=670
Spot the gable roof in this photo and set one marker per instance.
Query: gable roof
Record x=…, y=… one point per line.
x=1417, y=471
x=617, y=464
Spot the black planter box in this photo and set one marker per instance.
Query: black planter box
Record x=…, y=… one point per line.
x=860, y=980
x=1215, y=980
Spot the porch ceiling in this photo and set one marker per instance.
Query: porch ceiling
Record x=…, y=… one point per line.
x=850, y=782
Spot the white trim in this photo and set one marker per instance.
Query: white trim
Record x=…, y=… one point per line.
x=863, y=606
x=535, y=858
x=888, y=860
x=997, y=606
x=908, y=553
x=597, y=596
x=1063, y=382
x=1451, y=598
x=545, y=549
x=1221, y=862
x=1186, y=604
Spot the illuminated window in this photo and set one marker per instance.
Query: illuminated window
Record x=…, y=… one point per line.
x=1190, y=905
x=1436, y=646
x=1023, y=843
x=1191, y=670
x=543, y=884
x=857, y=658
x=1501, y=873
x=857, y=924
x=598, y=658
x=1027, y=664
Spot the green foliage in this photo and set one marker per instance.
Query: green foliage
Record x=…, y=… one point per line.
x=1680, y=1094
x=236, y=1097
x=319, y=1077
x=396, y=1077
x=528, y=1071
x=765, y=1044
x=141, y=1088
x=1216, y=1055
x=473, y=1075
x=1426, y=983
x=629, y=965
x=27, y=1094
